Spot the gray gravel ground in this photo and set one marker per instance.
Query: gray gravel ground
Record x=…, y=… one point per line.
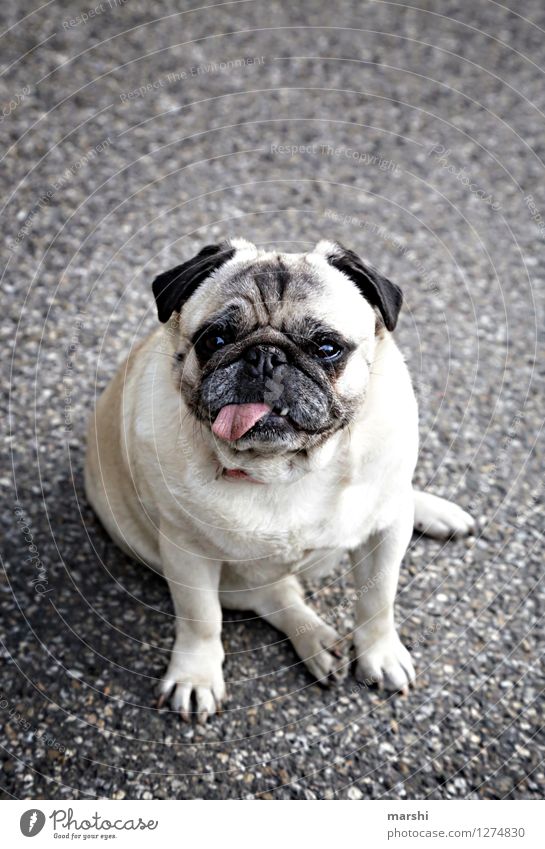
x=103, y=186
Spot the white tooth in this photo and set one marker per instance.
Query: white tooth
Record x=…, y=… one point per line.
x=285, y=411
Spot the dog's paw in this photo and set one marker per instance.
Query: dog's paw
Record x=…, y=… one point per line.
x=384, y=661
x=320, y=649
x=194, y=681
x=441, y=519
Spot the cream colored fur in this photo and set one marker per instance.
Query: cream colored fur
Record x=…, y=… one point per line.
x=153, y=475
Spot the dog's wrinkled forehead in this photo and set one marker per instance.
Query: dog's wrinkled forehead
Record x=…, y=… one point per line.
x=267, y=288
x=329, y=280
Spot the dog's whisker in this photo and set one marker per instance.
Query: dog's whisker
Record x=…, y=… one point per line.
x=164, y=354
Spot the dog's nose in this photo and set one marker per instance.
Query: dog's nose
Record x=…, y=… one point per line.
x=262, y=360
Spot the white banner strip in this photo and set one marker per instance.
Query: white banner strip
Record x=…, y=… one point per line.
x=360, y=824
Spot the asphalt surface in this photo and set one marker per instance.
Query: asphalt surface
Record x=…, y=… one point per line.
x=127, y=144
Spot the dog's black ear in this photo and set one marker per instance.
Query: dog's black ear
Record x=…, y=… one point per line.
x=378, y=290
x=172, y=288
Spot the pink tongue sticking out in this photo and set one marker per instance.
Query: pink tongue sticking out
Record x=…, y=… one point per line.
x=235, y=420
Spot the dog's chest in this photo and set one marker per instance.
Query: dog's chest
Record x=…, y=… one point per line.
x=295, y=530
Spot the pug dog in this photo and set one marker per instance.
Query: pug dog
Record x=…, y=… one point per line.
x=265, y=429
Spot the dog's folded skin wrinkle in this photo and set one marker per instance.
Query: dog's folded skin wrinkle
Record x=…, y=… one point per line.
x=278, y=432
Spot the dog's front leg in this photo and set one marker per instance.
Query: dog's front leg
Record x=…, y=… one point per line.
x=194, y=674
x=380, y=655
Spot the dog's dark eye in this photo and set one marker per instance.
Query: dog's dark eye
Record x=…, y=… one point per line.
x=213, y=340
x=328, y=350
